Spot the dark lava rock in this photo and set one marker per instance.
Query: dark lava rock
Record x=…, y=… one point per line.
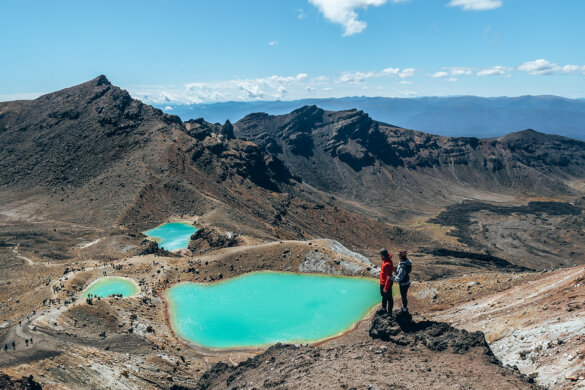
x=480, y=258
x=148, y=247
x=437, y=336
x=221, y=368
x=25, y=383
x=206, y=239
x=227, y=130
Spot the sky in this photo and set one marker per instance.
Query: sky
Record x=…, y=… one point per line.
x=201, y=51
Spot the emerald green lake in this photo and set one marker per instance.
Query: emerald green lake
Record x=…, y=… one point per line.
x=263, y=308
x=171, y=236
x=105, y=287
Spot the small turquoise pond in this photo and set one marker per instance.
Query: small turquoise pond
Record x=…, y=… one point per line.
x=105, y=287
x=171, y=236
x=263, y=308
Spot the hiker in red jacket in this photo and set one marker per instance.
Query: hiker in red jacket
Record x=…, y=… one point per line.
x=386, y=281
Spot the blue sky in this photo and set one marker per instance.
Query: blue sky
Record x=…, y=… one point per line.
x=219, y=50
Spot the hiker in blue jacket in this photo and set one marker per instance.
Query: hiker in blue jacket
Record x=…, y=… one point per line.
x=403, y=277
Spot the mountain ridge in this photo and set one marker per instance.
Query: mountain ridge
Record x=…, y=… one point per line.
x=448, y=116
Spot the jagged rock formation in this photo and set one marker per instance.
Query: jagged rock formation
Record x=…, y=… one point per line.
x=349, y=154
x=149, y=247
x=436, y=336
x=362, y=364
x=102, y=157
x=92, y=155
x=211, y=238
x=25, y=383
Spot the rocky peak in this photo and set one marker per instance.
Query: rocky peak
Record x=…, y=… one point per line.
x=227, y=130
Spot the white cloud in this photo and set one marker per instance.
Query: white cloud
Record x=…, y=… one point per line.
x=343, y=12
x=391, y=71
x=440, y=74
x=406, y=73
x=458, y=71
x=273, y=43
x=360, y=77
x=301, y=14
x=356, y=77
x=544, y=67
x=452, y=79
x=476, y=5
x=272, y=87
x=493, y=71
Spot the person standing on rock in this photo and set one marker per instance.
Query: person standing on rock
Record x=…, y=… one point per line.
x=386, y=281
x=403, y=277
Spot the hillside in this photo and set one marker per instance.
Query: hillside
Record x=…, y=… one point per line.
x=349, y=154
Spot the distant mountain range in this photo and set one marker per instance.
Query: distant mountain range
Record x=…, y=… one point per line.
x=463, y=116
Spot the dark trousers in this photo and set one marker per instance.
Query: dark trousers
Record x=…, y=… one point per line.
x=387, y=301
x=404, y=295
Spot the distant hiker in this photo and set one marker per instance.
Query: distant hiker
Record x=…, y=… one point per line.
x=13, y=345
x=5, y=347
x=26, y=342
x=386, y=281
x=403, y=277
x=31, y=340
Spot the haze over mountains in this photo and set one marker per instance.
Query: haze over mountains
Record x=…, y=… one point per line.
x=467, y=116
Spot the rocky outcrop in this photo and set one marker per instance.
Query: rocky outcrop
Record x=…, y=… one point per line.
x=148, y=247
x=338, y=151
x=70, y=136
x=25, y=383
x=437, y=336
x=211, y=238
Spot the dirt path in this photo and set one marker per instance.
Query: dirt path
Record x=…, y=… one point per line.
x=42, y=346
x=15, y=251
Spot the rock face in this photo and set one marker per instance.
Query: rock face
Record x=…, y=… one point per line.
x=341, y=152
x=365, y=364
x=149, y=247
x=436, y=336
x=25, y=383
x=211, y=238
x=100, y=157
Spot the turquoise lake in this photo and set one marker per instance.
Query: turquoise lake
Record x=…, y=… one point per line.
x=171, y=236
x=107, y=286
x=263, y=308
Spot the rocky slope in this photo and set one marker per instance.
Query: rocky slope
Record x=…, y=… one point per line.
x=349, y=154
x=536, y=327
x=420, y=356
x=92, y=155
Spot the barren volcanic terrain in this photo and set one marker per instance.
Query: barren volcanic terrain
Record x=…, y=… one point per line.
x=494, y=228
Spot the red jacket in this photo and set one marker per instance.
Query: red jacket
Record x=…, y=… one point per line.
x=386, y=273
